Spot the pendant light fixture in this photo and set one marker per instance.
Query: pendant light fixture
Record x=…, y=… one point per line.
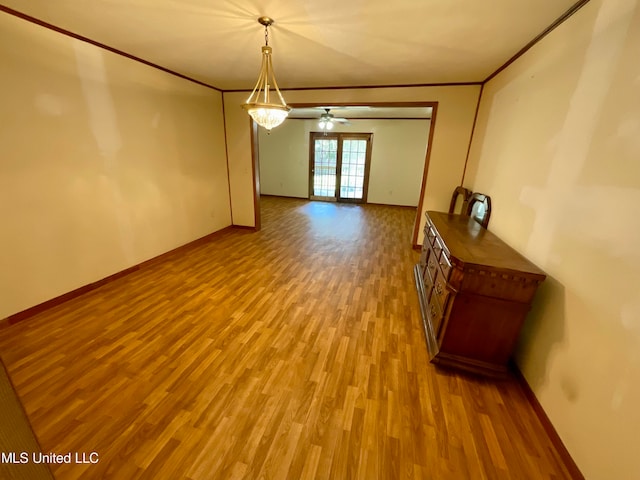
x=266, y=112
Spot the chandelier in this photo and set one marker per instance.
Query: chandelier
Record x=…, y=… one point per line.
x=266, y=112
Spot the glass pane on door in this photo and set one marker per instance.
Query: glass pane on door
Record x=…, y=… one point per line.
x=325, y=167
x=354, y=155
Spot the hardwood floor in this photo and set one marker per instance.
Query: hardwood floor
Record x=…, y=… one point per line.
x=294, y=352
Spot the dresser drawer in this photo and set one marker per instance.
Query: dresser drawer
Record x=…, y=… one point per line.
x=429, y=235
x=435, y=314
x=440, y=290
x=424, y=254
x=431, y=266
x=427, y=279
x=445, y=264
x=437, y=248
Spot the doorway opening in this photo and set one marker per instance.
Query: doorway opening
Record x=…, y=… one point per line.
x=366, y=111
x=339, y=166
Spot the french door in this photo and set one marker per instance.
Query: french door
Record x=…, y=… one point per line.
x=339, y=166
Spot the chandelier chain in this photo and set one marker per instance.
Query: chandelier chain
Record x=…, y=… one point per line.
x=266, y=35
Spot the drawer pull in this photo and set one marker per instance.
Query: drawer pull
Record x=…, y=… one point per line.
x=439, y=290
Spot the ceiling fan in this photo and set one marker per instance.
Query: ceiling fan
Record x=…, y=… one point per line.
x=327, y=120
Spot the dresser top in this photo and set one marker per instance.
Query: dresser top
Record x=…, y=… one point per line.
x=468, y=243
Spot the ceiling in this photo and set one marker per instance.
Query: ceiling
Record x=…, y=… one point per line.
x=315, y=43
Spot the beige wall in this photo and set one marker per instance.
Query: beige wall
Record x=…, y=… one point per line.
x=557, y=146
x=452, y=130
x=397, y=158
x=105, y=163
x=284, y=160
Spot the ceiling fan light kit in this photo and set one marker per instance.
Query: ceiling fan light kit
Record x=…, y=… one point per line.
x=325, y=124
x=328, y=120
x=266, y=112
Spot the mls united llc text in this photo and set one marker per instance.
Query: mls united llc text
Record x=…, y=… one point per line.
x=39, y=457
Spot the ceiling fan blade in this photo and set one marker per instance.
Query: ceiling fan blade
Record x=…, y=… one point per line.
x=327, y=116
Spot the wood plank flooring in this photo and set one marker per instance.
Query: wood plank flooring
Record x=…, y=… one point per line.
x=293, y=352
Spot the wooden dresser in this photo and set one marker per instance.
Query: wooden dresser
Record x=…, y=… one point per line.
x=474, y=292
